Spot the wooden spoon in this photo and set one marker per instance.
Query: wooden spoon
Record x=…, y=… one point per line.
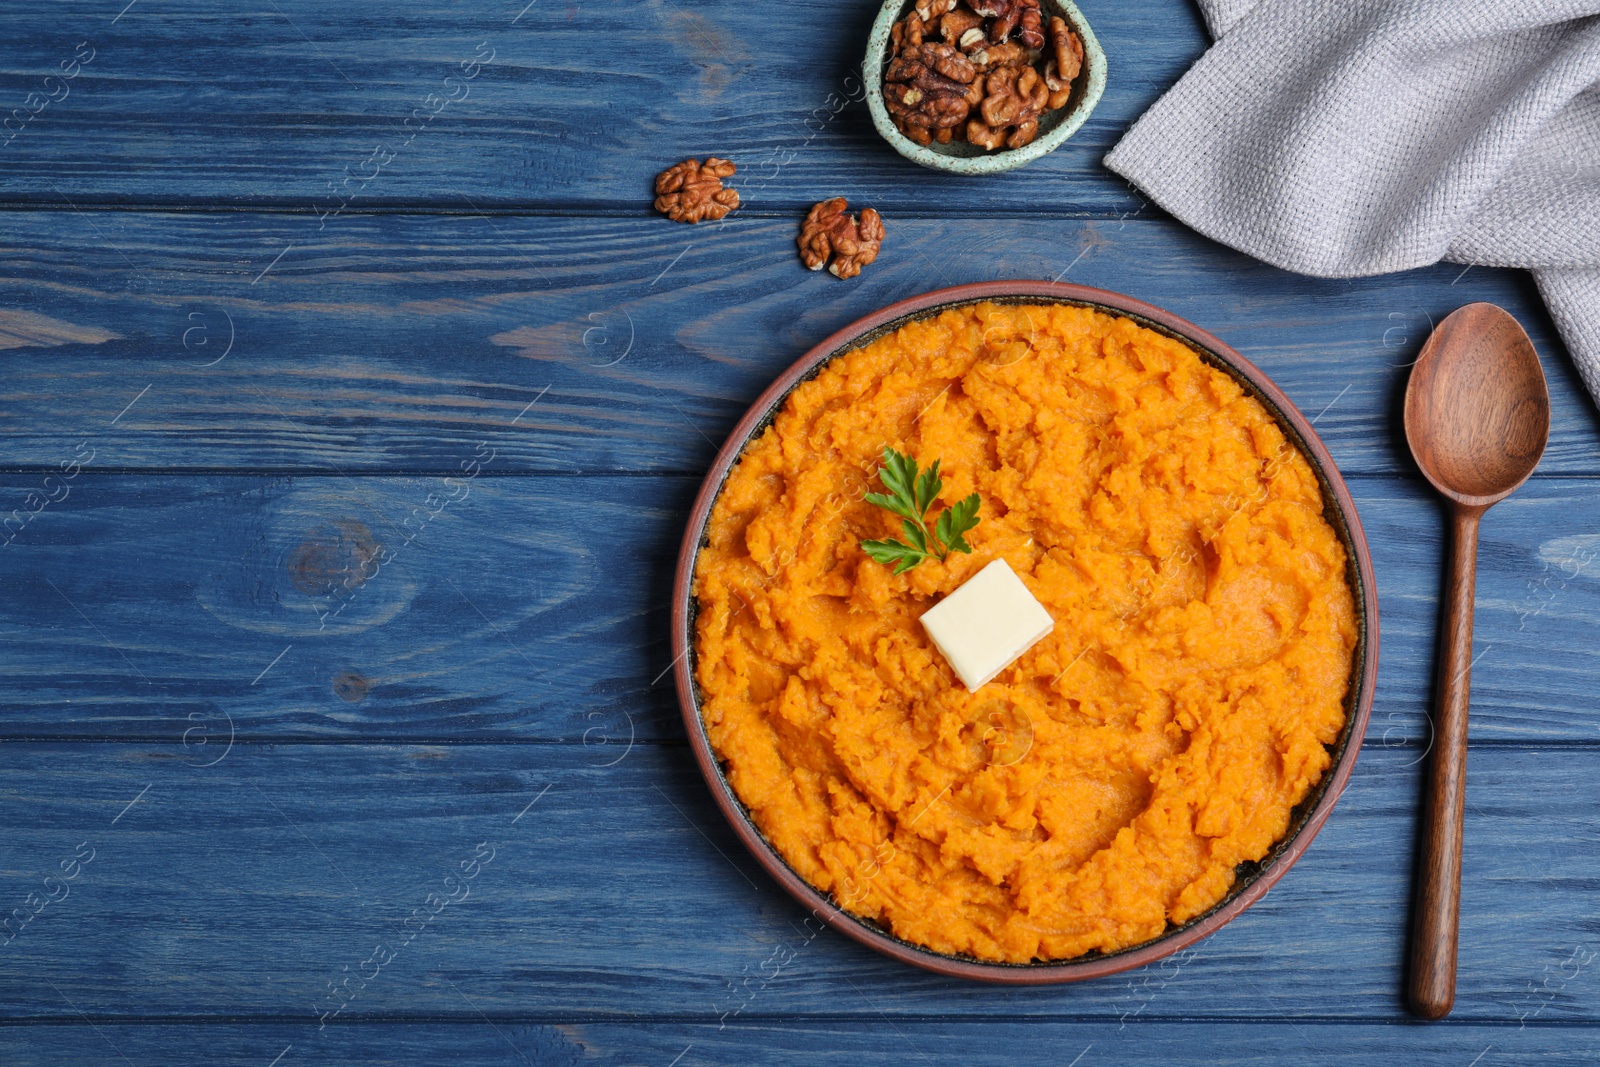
x=1477, y=419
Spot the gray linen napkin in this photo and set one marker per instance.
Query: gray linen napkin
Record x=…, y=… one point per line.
x=1351, y=137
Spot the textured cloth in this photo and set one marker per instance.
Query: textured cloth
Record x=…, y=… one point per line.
x=1351, y=137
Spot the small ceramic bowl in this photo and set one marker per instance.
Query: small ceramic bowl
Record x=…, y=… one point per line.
x=1253, y=879
x=960, y=157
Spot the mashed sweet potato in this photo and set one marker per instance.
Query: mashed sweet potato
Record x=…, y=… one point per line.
x=1110, y=781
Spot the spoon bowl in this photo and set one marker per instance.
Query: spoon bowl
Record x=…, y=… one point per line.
x=1477, y=417
x=1477, y=411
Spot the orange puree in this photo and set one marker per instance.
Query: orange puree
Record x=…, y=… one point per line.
x=1110, y=781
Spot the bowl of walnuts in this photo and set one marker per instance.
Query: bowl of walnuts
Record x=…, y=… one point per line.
x=981, y=86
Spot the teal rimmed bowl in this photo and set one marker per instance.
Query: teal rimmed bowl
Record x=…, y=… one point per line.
x=959, y=157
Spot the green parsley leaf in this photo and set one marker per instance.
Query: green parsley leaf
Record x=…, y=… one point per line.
x=892, y=551
x=955, y=521
x=928, y=487
x=916, y=536
x=909, y=496
x=893, y=503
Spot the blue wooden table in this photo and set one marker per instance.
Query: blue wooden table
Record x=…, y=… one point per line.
x=352, y=402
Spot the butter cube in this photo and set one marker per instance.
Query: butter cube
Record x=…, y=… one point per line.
x=987, y=623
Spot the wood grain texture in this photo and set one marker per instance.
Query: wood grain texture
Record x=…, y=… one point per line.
x=1477, y=415
x=366, y=288
x=1436, y=919
x=398, y=343
x=325, y=607
x=1477, y=409
x=166, y=110
x=1002, y=1043
x=245, y=888
x=535, y=608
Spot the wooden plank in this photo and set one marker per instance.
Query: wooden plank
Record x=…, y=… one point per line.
x=243, y=341
x=460, y=609
x=254, y=834
x=1003, y=1043
x=535, y=608
x=1538, y=602
x=247, y=888
x=298, y=104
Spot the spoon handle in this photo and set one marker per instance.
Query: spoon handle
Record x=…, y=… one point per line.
x=1438, y=910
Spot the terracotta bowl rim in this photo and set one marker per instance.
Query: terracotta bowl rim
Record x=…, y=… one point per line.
x=1308, y=817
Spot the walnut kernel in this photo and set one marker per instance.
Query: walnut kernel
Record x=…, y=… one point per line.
x=928, y=10
x=956, y=27
x=829, y=231
x=1015, y=97
x=991, y=56
x=1067, y=49
x=907, y=33
x=927, y=88
x=691, y=190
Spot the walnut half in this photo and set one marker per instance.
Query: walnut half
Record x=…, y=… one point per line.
x=1022, y=17
x=829, y=231
x=927, y=89
x=691, y=190
x=1068, y=50
x=1009, y=114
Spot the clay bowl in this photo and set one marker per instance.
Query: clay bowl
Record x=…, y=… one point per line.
x=1254, y=879
x=959, y=157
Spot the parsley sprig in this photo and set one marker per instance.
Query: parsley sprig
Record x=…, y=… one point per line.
x=910, y=496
